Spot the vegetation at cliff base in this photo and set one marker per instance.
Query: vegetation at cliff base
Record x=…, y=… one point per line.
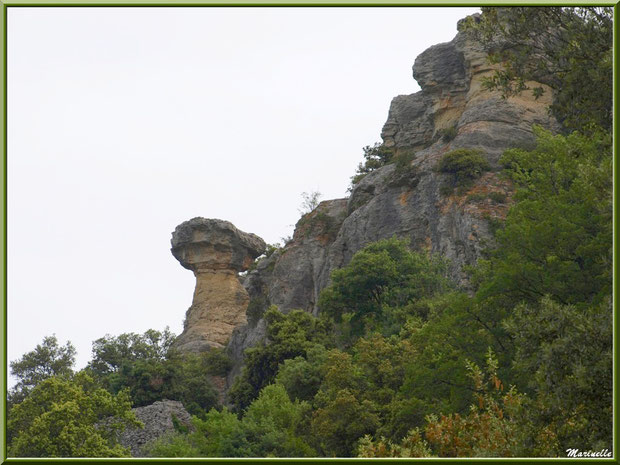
x=69, y=416
x=402, y=363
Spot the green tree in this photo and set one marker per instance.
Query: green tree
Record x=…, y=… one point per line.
x=288, y=336
x=276, y=426
x=69, y=417
x=302, y=376
x=566, y=48
x=111, y=352
x=272, y=426
x=564, y=354
x=557, y=238
x=436, y=379
x=340, y=421
x=464, y=166
x=383, y=276
x=219, y=434
x=190, y=379
x=151, y=370
x=375, y=157
x=46, y=360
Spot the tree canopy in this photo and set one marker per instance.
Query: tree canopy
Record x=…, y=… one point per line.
x=69, y=417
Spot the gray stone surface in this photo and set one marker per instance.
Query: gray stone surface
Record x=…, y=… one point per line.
x=157, y=419
x=408, y=203
x=205, y=243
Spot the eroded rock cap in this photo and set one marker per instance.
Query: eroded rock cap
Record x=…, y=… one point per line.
x=202, y=244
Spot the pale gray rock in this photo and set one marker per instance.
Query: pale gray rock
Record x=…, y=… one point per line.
x=205, y=243
x=158, y=421
x=407, y=202
x=386, y=203
x=441, y=68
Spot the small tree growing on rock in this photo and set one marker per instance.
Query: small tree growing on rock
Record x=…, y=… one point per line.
x=310, y=202
x=46, y=360
x=465, y=166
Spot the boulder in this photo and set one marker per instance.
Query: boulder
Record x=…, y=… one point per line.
x=159, y=419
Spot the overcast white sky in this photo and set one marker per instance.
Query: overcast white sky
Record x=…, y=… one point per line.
x=125, y=122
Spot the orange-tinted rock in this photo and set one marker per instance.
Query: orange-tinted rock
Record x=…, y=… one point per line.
x=215, y=250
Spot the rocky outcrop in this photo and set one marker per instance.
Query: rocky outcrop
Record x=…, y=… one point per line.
x=453, y=110
x=159, y=419
x=216, y=251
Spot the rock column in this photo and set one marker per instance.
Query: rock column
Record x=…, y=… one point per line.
x=216, y=251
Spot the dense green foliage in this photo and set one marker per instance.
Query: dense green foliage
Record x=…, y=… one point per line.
x=383, y=285
x=46, y=360
x=464, y=166
x=147, y=366
x=271, y=427
x=374, y=157
x=289, y=336
x=69, y=417
x=557, y=237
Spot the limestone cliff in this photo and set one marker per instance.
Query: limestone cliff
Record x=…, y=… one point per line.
x=452, y=111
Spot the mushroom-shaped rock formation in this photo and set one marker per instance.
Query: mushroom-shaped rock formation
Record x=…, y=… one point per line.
x=215, y=250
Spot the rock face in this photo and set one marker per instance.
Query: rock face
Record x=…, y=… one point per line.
x=452, y=111
x=215, y=251
x=158, y=421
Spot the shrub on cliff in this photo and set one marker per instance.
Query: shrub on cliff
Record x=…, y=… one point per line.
x=374, y=157
x=464, y=166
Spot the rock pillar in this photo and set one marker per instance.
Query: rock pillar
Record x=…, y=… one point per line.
x=216, y=251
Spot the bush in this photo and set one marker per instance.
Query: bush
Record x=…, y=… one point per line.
x=448, y=134
x=289, y=336
x=404, y=174
x=497, y=197
x=446, y=190
x=403, y=160
x=256, y=309
x=476, y=197
x=465, y=166
x=375, y=157
x=217, y=362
